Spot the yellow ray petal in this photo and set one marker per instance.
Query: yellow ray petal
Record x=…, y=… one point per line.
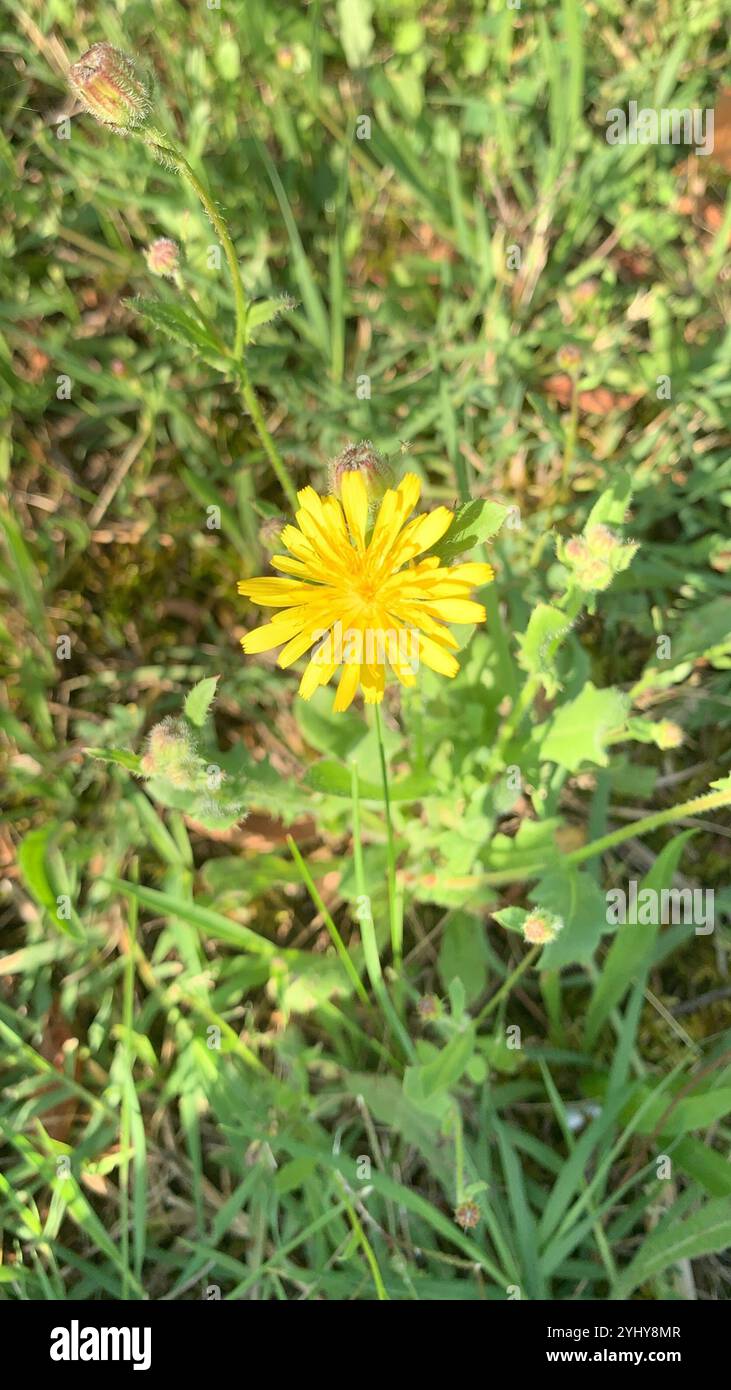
x=308, y=498
x=287, y=565
x=316, y=673
x=436, y=658
x=263, y=639
x=457, y=610
x=421, y=533
x=415, y=615
x=403, y=674
x=474, y=573
x=409, y=492
x=354, y=496
x=373, y=681
x=276, y=593
x=347, y=686
x=294, y=541
x=298, y=645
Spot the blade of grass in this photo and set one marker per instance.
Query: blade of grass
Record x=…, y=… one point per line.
x=335, y=936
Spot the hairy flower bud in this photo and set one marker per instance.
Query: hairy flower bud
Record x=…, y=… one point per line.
x=364, y=459
x=594, y=574
x=668, y=734
x=596, y=557
x=541, y=927
x=467, y=1215
x=163, y=256
x=270, y=532
x=569, y=358
x=171, y=754
x=112, y=87
x=601, y=541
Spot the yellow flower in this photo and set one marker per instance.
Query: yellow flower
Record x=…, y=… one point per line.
x=363, y=600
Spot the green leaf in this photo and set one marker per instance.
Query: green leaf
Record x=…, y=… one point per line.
x=704, y=632
x=539, y=644
x=431, y=1079
x=294, y=1174
x=687, y=1114
x=120, y=756
x=705, y=1232
x=198, y=701
x=179, y=325
x=630, y=952
x=210, y=923
x=576, y=897
x=250, y=876
x=463, y=954
x=512, y=918
x=266, y=311
x=578, y=733
x=525, y=1225
x=526, y=853
x=474, y=522
x=228, y=59
x=34, y=854
x=610, y=509
x=356, y=30
x=336, y=734
x=334, y=779
x=387, y=1101
x=311, y=982
x=712, y=1170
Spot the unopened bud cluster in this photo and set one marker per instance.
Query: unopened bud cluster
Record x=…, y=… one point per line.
x=364, y=459
x=596, y=557
x=112, y=87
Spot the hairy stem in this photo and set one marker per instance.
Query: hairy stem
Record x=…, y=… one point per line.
x=394, y=914
x=505, y=988
x=335, y=936
x=270, y=448
x=709, y=802
x=171, y=154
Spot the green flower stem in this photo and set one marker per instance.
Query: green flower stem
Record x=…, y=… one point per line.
x=125, y=1124
x=365, y=1245
x=173, y=155
x=395, y=916
x=570, y=438
x=572, y=604
x=517, y=715
x=367, y=929
x=458, y=1156
x=219, y=226
x=270, y=448
x=506, y=987
x=335, y=936
x=709, y=802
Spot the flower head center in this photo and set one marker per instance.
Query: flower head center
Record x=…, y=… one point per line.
x=364, y=585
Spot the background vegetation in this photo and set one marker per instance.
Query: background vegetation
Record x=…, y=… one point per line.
x=139, y=1159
